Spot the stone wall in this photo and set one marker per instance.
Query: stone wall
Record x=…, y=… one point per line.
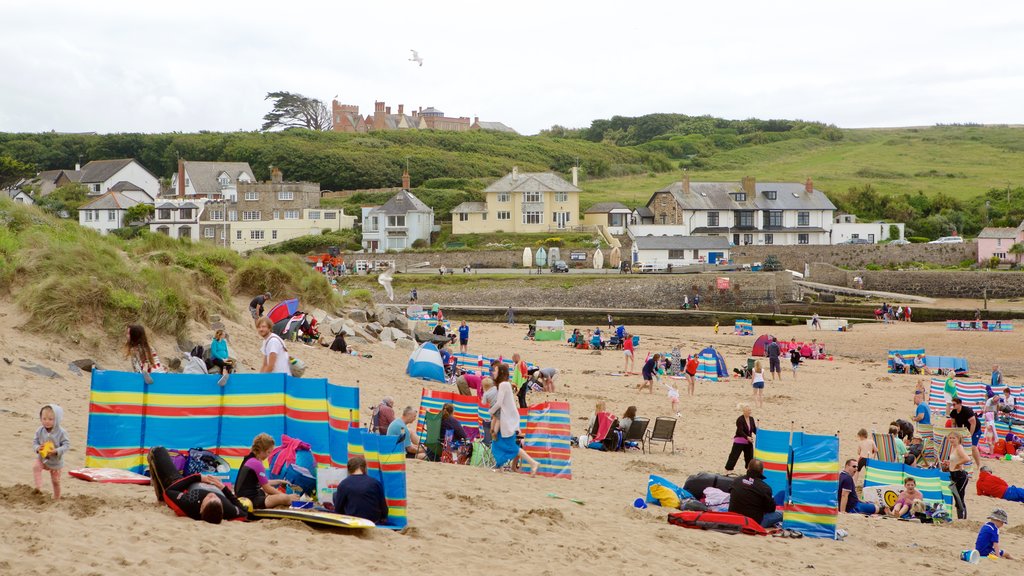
x=933, y=283
x=478, y=259
x=857, y=255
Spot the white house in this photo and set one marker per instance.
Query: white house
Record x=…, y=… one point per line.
x=20, y=196
x=401, y=221
x=680, y=250
x=107, y=212
x=846, y=228
x=178, y=218
x=101, y=176
x=210, y=179
x=746, y=212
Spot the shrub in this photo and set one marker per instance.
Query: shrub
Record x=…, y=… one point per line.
x=873, y=267
x=420, y=243
x=917, y=239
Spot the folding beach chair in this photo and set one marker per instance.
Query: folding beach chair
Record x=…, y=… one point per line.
x=929, y=455
x=664, y=429
x=637, y=431
x=945, y=447
x=432, y=442
x=886, y=444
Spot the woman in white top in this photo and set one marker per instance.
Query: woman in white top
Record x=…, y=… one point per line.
x=758, y=378
x=506, y=407
x=275, y=356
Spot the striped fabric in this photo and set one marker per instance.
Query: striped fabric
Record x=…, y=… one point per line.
x=932, y=482
x=182, y=411
x=982, y=326
x=548, y=439
x=707, y=368
x=466, y=410
x=930, y=452
x=743, y=327
x=940, y=436
x=886, y=444
x=475, y=364
x=385, y=461
x=973, y=394
x=813, y=500
x=908, y=356
x=772, y=448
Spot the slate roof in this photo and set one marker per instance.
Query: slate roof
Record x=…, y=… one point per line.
x=532, y=182
x=102, y=170
x=203, y=175
x=999, y=233
x=644, y=212
x=496, y=127
x=110, y=201
x=402, y=203
x=717, y=196
x=124, y=186
x=605, y=207
x=470, y=207
x=681, y=243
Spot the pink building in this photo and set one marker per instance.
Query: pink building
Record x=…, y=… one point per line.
x=997, y=242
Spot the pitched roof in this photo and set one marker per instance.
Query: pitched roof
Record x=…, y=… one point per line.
x=110, y=201
x=402, y=203
x=606, y=207
x=496, y=127
x=103, y=170
x=999, y=233
x=48, y=175
x=681, y=242
x=717, y=196
x=124, y=186
x=645, y=212
x=203, y=175
x=532, y=182
x=470, y=207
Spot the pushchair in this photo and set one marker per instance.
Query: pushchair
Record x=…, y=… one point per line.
x=531, y=332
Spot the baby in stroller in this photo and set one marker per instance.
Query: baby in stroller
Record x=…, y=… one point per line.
x=531, y=332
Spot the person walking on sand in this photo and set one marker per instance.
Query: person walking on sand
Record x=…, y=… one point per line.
x=510, y=316
x=650, y=367
x=611, y=325
x=463, y=337
x=275, y=355
x=690, y=368
x=743, y=439
x=50, y=443
x=627, y=351
x=504, y=447
x=957, y=458
x=815, y=322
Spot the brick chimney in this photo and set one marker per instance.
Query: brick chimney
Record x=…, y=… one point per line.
x=401, y=108
x=378, y=115
x=686, y=182
x=476, y=119
x=515, y=173
x=575, y=176
x=387, y=110
x=275, y=175
x=809, y=186
x=181, y=178
x=749, y=186
x=405, y=179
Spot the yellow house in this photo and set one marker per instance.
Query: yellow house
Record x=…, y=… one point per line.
x=517, y=203
x=243, y=236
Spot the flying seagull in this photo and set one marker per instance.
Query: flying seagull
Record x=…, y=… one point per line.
x=385, y=280
x=416, y=57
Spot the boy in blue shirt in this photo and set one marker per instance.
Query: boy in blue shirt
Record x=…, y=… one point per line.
x=988, y=537
x=463, y=337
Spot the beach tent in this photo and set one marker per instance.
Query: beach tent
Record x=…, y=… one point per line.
x=425, y=363
x=805, y=467
x=711, y=365
x=289, y=326
x=598, y=259
x=550, y=330
x=760, y=345
x=744, y=327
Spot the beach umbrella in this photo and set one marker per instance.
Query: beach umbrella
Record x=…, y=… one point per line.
x=615, y=258
x=598, y=259
x=541, y=257
x=283, y=310
x=527, y=257
x=425, y=363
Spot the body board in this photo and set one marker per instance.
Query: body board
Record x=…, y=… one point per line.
x=882, y=495
x=109, y=475
x=315, y=517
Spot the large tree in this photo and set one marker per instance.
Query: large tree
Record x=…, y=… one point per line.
x=296, y=111
x=12, y=170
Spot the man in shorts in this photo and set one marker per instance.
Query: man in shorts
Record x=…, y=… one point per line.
x=963, y=417
x=256, y=305
x=774, y=366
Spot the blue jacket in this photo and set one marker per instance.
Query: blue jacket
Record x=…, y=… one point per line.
x=219, y=349
x=361, y=496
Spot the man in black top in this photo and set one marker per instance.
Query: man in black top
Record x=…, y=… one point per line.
x=361, y=495
x=256, y=305
x=198, y=497
x=774, y=366
x=752, y=497
x=963, y=417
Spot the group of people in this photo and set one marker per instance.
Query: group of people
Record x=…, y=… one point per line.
x=606, y=432
x=889, y=313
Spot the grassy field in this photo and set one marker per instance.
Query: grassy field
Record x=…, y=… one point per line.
x=962, y=162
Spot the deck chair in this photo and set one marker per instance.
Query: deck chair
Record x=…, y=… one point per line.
x=945, y=447
x=886, y=445
x=432, y=442
x=929, y=455
x=664, y=429
x=637, y=431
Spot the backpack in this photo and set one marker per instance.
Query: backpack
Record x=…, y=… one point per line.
x=297, y=367
x=293, y=462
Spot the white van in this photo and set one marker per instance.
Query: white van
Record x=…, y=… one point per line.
x=948, y=240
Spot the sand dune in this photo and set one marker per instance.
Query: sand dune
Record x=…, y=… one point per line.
x=478, y=521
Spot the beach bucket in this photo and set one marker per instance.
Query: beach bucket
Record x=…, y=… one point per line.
x=641, y=504
x=1008, y=457
x=302, y=505
x=970, y=556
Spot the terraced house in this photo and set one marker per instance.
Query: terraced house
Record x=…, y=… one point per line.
x=745, y=212
x=522, y=202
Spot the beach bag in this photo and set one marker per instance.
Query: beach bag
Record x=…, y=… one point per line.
x=293, y=462
x=200, y=461
x=296, y=366
x=696, y=483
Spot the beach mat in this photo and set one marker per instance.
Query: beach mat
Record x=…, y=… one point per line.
x=109, y=476
x=316, y=517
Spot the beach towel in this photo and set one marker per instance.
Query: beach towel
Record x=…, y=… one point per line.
x=604, y=424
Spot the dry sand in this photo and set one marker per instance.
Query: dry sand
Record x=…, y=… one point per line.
x=476, y=521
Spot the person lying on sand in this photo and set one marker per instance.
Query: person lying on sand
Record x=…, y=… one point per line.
x=199, y=497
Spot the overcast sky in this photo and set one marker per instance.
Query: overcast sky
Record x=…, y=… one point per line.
x=116, y=66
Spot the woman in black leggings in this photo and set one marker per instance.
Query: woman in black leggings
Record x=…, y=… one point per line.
x=957, y=458
x=743, y=439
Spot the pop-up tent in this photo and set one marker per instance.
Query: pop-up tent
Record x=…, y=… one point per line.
x=550, y=330
x=711, y=365
x=425, y=363
x=760, y=345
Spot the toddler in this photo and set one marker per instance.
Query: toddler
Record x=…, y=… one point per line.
x=50, y=444
x=673, y=397
x=490, y=396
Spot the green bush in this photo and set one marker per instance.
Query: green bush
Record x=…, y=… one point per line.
x=345, y=240
x=873, y=267
x=420, y=243
x=917, y=239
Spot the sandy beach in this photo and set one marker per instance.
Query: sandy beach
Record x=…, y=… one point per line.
x=477, y=521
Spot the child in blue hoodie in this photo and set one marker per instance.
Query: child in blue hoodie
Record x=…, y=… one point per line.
x=50, y=444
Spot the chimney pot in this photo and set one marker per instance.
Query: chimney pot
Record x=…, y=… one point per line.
x=401, y=108
x=78, y=166
x=181, y=178
x=405, y=180
x=809, y=186
x=276, y=176
x=515, y=173
x=387, y=110
x=749, y=185
x=575, y=176
x=686, y=182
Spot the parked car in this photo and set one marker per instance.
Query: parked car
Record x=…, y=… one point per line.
x=899, y=242
x=560, y=266
x=857, y=241
x=649, y=267
x=948, y=240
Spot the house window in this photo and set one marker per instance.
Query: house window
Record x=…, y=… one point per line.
x=504, y=215
x=712, y=218
x=252, y=196
x=276, y=215
x=396, y=243
x=1000, y=255
x=484, y=216
x=291, y=214
x=504, y=197
x=769, y=238
x=739, y=196
x=165, y=214
x=745, y=219
x=803, y=238
x=208, y=232
x=233, y=215
x=748, y=239
x=273, y=234
x=371, y=224
x=463, y=217
x=677, y=254
x=223, y=234
x=314, y=214
x=330, y=215
x=534, y=197
x=286, y=195
x=238, y=234
x=88, y=215
x=773, y=219
x=250, y=215
x=186, y=214
x=224, y=181
x=95, y=187
x=256, y=234
x=533, y=217
x=771, y=194
x=111, y=215
x=663, y=217
x=561, y=196
x=216, y=214
x=396, y=221
x=803, y=218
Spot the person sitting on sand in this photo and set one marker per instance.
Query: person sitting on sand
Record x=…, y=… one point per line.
x=450, y=424
x=400, y=427
x=995, y=487
x=199, y=497
x=251, y=481
x=848, y=500
x=137, y=349
x=360, y=495
x=907, y=498
x=987, y=543
x=752, y=497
